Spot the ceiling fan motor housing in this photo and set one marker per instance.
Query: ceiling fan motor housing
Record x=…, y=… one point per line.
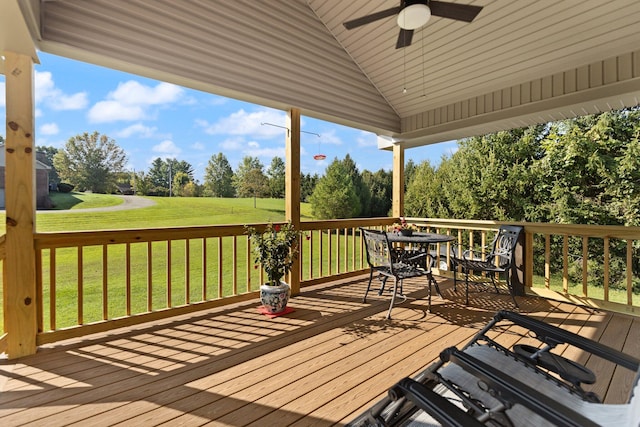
x=413, y=14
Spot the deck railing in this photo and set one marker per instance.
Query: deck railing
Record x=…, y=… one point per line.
x=593, y=265
x=100, y=280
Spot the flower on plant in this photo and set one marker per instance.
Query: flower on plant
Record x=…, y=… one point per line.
x=402, y=225
x=275, y=248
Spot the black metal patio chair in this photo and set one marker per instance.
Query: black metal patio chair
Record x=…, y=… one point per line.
x=499, y=386
x=384, y=260
x=500, y=260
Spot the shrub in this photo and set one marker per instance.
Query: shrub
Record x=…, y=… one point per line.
x=64, y=187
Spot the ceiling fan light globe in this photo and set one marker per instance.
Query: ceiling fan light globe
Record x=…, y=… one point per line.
x=414, y=16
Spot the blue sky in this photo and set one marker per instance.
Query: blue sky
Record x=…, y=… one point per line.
x=151, y=119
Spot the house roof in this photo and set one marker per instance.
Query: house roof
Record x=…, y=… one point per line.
x=39, y=164
x=517, y=63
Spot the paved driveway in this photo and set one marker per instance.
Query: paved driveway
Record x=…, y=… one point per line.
x=129, y=202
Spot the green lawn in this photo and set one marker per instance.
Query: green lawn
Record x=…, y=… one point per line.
x=167, y=212
x=73, y=200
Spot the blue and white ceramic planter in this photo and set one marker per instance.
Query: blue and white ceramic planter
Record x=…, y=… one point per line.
x=275, y=298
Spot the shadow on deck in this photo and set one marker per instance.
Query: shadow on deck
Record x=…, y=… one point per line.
x=321, y=365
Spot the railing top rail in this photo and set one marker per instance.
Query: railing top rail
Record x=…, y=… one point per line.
x=597, y=231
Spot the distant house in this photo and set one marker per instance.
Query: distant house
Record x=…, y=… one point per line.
x=42, y=180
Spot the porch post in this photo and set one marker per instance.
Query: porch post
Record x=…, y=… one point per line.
x=20, y=299
x=398, y=180
x=292, y=186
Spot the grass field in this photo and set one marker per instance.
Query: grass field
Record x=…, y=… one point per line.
x=167, y=212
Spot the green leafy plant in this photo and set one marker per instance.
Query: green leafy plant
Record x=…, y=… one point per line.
x=275, y=248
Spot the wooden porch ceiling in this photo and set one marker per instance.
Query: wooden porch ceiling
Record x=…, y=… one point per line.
x=320, y=365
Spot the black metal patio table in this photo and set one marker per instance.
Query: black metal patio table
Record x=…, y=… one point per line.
x=419, y=238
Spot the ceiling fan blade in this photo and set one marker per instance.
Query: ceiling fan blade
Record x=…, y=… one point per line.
x=459, y=12
x=371, y=18
x=404, y=38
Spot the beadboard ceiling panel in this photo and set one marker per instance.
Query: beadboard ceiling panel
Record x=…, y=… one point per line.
x=519, y=62
x=275, y=53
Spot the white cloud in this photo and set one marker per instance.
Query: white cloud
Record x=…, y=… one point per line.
x=253, y=144
x=330, y=138
x=232, y=144
x=49, y=129
x=199, y=146
x=138, y=129
x=77, y=101
x=267, y=153
x=2, y=94
x=245, y=123
x=134, y=93
x=45, y=91
x=367, y=139
x=167, y=148
x=131, y=100
x=112, y=111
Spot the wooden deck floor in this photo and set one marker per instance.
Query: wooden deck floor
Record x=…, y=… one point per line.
x=320, y=365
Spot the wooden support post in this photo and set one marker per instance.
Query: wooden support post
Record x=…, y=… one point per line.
x=292, y=187
x=20, y=299
x=398, y=181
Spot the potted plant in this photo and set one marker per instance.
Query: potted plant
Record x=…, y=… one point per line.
x=403, y=227
x=275, y=248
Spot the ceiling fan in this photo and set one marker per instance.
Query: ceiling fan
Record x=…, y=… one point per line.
x=413, y=14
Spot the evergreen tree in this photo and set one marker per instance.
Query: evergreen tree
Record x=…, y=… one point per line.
x=361, y=189
x=218, y=178
x=335, y=195
x=380, y=185
x=307, y=185
x=276, y=175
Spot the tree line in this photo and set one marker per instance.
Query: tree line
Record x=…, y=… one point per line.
x=94, y=162
x=579, y=171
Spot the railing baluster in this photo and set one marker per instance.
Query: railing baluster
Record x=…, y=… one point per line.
x=39, y=291
x=80, y=287
x=168, y=288
x=149, y=277
x=547, y=261
x=320, y=254
x=234, y=250
x=606, y=268
x=585, y=259
x=127, y=273
x=249, y=263
x=338, y=252
x=105, y=283
x=204, y=269
x=329, y=252
x=52, y=289
x=354, y=243
x=629, y=272
x=187, y=271
x=565, y=263
x=311, y=252
x=219, y=267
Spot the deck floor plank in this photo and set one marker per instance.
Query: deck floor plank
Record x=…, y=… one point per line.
x=321, y=365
